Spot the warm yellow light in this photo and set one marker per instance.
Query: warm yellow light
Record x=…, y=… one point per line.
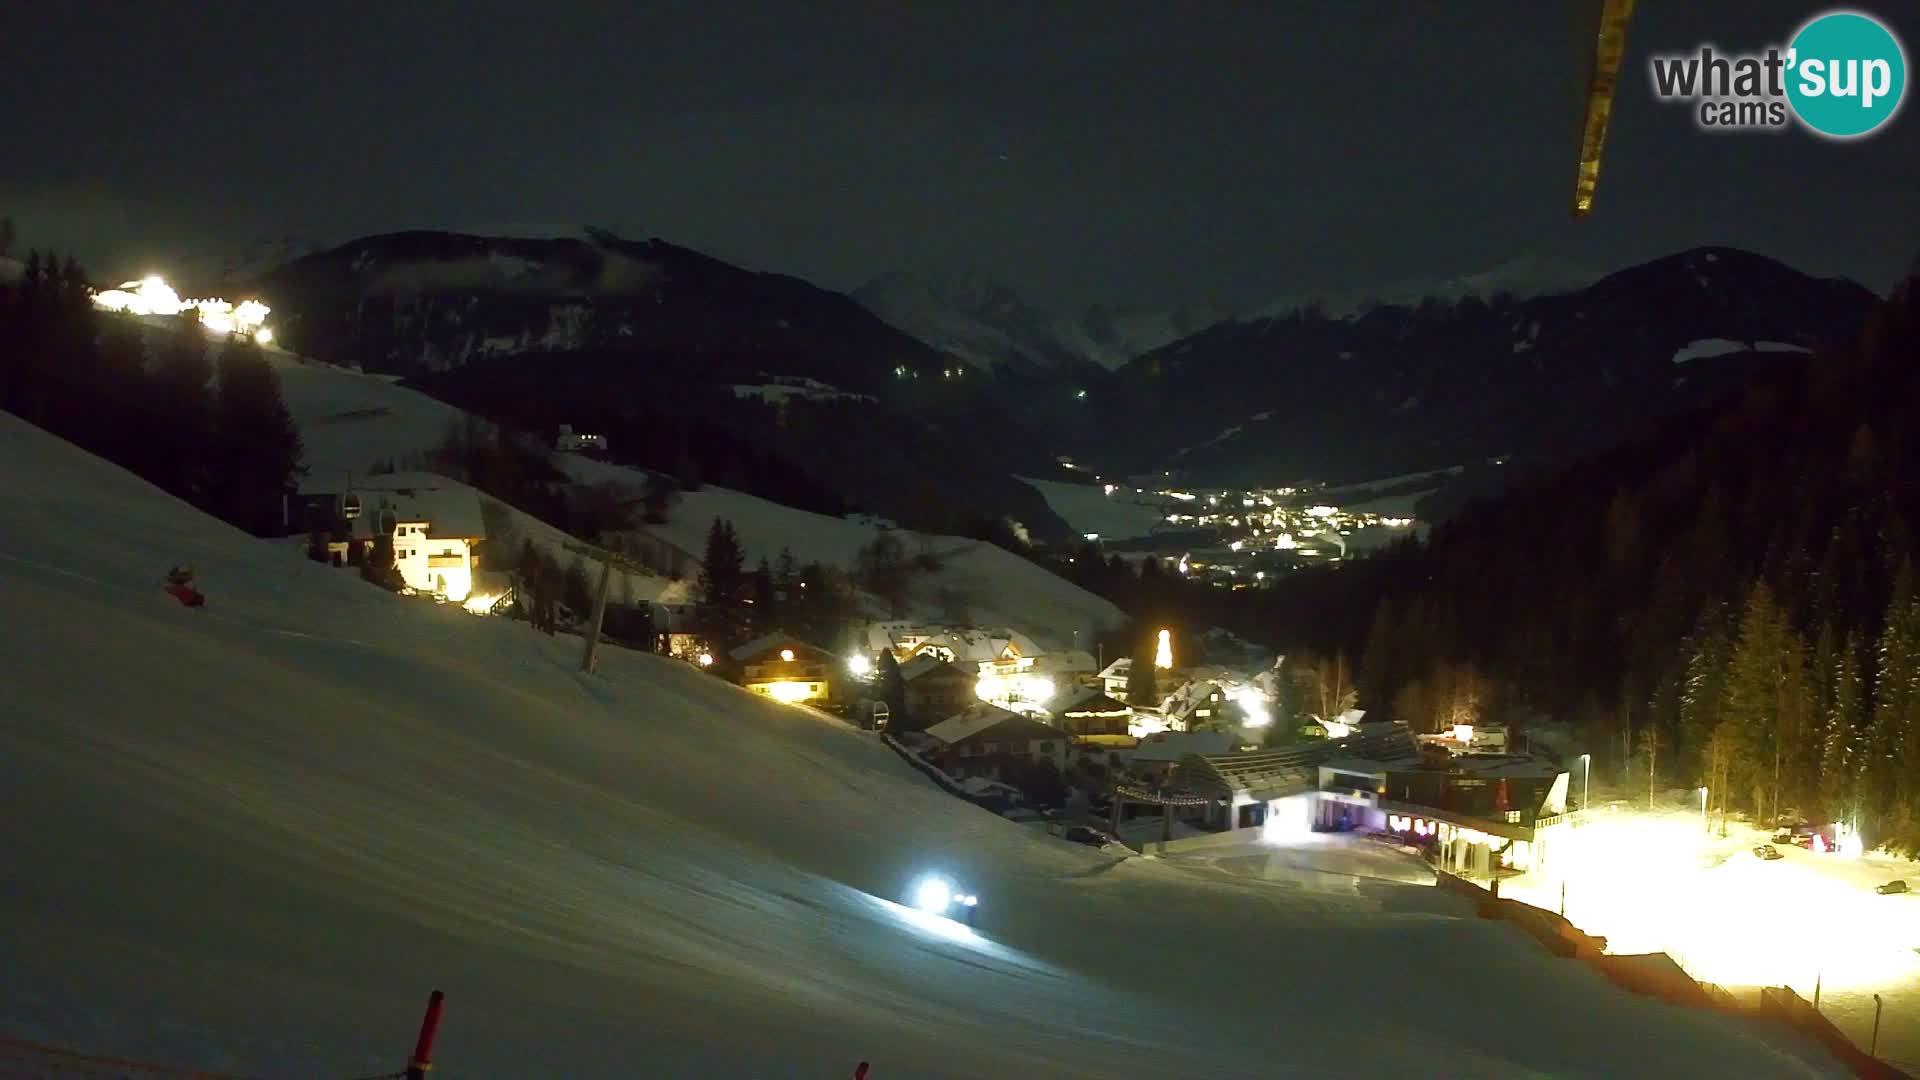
x=1014, y=687
x=264, y=335
x=481, y=603
x=787, y=655
x=1163, y=653
x=789, y=692
x=706, y=659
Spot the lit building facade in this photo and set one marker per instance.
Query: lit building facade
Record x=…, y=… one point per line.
x=786, y=669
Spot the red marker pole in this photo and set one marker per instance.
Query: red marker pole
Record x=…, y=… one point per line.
x=422, y=1059
x=860, y=1071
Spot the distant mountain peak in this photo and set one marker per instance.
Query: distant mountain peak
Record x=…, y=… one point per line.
x=989, y=323
x=1522, y=278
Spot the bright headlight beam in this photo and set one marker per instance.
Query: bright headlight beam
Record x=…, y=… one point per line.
x=933, y=895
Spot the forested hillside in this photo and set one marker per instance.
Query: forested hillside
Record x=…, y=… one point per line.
x=1729, y=602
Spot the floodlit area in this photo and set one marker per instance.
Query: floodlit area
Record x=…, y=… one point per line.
x=250, y=837
x=153, y=296
x=1660, y=881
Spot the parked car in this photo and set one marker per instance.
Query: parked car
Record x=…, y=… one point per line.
x=1083, y=834
x=1892, y=888
x=1767, y=852
x=1784, y=836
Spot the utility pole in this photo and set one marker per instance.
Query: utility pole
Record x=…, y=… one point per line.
x=599, y=615
x=607, y=561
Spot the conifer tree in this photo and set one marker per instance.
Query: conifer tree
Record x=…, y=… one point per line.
x=893, y=691
x=183, y=398
x=257, y=448
x=1752, y=697
x=1839, y=757
x=766, y=604
x=1893, y=769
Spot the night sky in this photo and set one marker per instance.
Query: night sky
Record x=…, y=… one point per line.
x=1101, y=151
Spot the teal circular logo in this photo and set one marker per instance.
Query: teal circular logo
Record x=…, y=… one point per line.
x=1846, y=74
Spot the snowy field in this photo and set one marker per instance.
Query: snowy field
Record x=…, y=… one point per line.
x=1660, y=882
x=250, y=838
x=1124, y=515
x=996, y=587
x=348, y=421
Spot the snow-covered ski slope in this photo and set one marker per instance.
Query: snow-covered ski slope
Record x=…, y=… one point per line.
x=250, y=838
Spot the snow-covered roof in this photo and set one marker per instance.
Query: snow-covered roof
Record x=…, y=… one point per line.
x=1507, y=766
x=980, y=785
x=767, y=642
x=1067, y=662
x=1189, y=696
x=1173, y=745
x=1087, y=699
x=1119, y=669
x=924, y=665
x=966, y=643
x=981, y=717
x=449, y=510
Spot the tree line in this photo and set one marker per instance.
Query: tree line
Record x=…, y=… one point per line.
x=203, y=420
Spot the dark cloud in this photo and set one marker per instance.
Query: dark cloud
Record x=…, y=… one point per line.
x=1082, y=151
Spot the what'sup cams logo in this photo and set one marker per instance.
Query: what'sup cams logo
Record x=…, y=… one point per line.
x=1843, y=75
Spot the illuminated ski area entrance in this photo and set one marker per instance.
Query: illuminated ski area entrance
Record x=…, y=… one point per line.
x=1666, y=880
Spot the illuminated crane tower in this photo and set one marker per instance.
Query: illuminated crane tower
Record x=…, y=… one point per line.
x=1610, y=42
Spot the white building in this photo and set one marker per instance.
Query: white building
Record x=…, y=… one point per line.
x=435, y=525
